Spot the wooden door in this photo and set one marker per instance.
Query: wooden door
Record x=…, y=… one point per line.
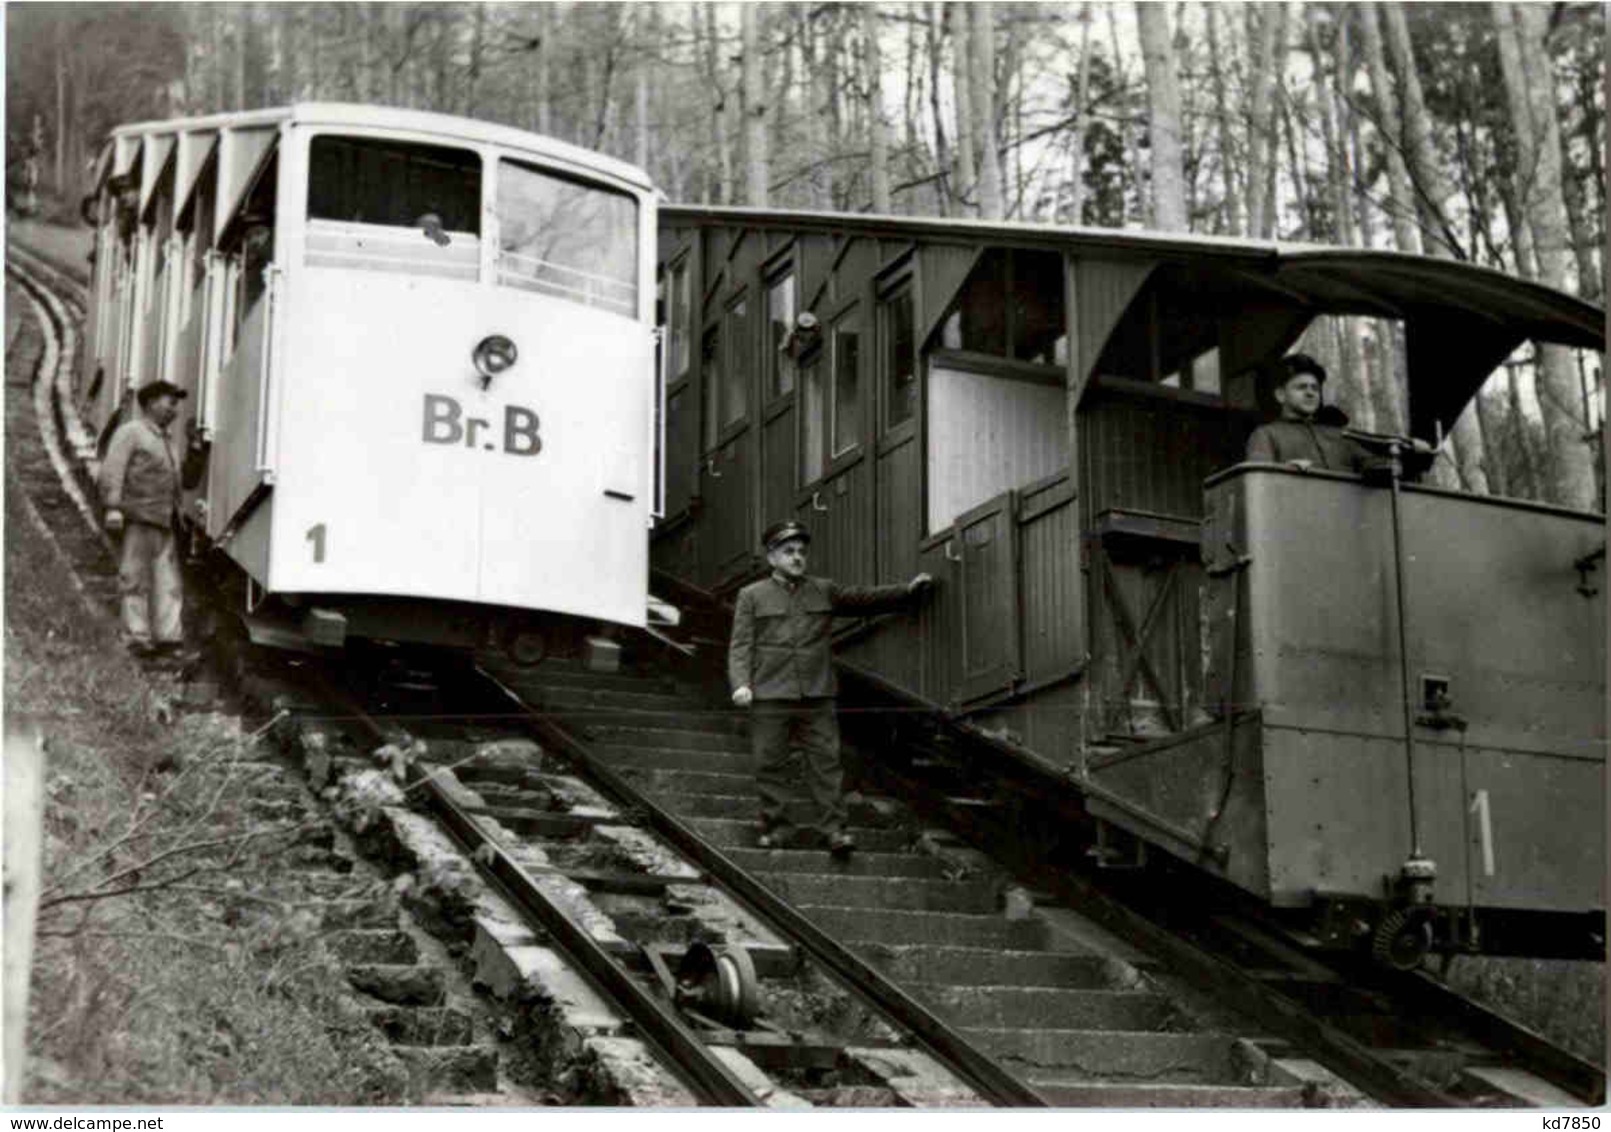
x=986, y=539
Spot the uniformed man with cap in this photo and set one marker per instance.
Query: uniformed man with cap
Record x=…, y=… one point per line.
x=779, y=666
x=1304, y=436
x=139, y=486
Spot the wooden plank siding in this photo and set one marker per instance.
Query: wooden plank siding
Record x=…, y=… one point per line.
x=1034, y=621
x=839, y=515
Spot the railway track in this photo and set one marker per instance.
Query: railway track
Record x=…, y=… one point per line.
x=1092, y=991
x=924, y=970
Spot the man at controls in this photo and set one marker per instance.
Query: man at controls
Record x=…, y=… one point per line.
x=1302, y=437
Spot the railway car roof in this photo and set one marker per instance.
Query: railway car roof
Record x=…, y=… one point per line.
x=386, y=117
x=1451, y=295
x=1332, y=279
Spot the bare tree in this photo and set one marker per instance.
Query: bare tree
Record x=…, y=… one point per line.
x=1529, y=83
x=877, y=134
x=963, y=184
x=1163, y=119
x=1231, y=201
x=1263, y=24
x=982, y=78
x=1351, y=350
x=948, y=189
x=1082, y=96
x=754, y=107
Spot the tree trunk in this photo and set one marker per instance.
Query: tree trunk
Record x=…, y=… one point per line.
x=1232, y=205
x=1585, y=196
x=1082, y=94
x=962, y=84
x=1559, y=390
x=913, y=91
x=1527, y=456
x=285, y=18
x=1582, y=228
x=754, y=108
x=243, y=20
x=781, y=143
x=478, y=41
x=1401, y=195
x=982, y=76
x=877, y=137
x=718, y=111
x=1263, y=24
x=1492, y=466
x=1163, y=118
x=1130, y=168
x=814, y=83
x=1010, y=109
x=1351, y=351
x=946, y=189
x=1336, y=156
x=648, y=33
x=837, y=195
x=61, y=106
x=1297, y=171
x=1431, y=188
x=1277, y=79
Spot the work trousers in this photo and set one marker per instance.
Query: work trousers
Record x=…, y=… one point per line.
x=786, y=732
x=148, y=579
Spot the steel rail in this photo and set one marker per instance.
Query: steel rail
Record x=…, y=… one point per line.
x=1578, y=1076
x=940, y=1039
x=657, y=1024
x=1288, y=1017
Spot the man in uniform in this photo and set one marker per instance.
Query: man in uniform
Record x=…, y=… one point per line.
x=139, y=486
x=779, y=666
x=1302, y=437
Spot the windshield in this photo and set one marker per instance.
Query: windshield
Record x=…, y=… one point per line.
x=566, y=238
x=375, y=204
x=379, y=181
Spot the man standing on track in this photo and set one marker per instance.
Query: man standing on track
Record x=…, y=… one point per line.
x=779, y=666
x=139, y=486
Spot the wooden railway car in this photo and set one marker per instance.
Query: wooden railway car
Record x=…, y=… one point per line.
x=1052, y=422
x=420, y=360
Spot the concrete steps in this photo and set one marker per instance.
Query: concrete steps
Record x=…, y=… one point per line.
x=676, y=758
x=742, y=833
x=662, y=782
x=768, y=863
x=906, y=893
x=746, y=807
x=642, y=729
x=1088, y=1094
x=961, y=965
x=872, y=925
x=1010, y=1007
x=584, y=700
x=1118, y=1054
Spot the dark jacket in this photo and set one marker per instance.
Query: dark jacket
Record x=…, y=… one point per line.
x=1325, y=446
x=780, y=633
x=140, y=475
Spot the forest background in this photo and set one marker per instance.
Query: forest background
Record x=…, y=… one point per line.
x=1471, y=131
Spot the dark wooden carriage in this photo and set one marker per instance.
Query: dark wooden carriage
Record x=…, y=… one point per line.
x=1030, y=415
